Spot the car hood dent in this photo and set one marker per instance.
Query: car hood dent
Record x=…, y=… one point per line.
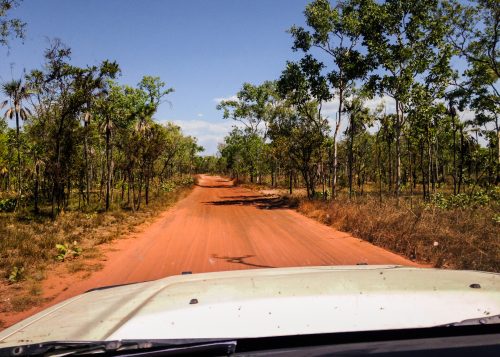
x=267, y=302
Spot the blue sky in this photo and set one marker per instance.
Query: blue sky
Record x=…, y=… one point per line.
x=204, y=49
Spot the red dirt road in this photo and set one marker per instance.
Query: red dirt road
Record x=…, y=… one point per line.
x=220, y=227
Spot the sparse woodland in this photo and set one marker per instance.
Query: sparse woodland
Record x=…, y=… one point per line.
x=75, y=144
x=417, y=139
x=82, y=141
x=417, y=173
x=428, y=152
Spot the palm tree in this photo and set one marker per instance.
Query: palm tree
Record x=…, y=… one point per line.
x=17, y=94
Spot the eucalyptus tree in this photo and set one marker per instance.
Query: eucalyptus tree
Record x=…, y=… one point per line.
x=10, y=27
x=253, y=107
x=302, y=141
x=405, y=38
x=233, y=152
x=359, y=119
x=109, y=109
x=173, y=146
x=336, y=32
x=475, y=34
x=126, y=113
x=153, y=91
x=17, y=93
x=62, y=94
x=303, y=87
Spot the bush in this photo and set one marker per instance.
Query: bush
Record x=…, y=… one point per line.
x=16, y=274
x=8, y=204
x=67, y=251
x=168, y=186
x=476, y=199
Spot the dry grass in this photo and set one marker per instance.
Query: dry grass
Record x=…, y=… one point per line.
x=23, y=302
x=29, y=242
x=453, y=238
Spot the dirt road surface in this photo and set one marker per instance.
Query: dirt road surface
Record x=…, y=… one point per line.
x=219, y=227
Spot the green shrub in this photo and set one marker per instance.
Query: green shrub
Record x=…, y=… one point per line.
x=16, y=274
x=462, y=200
x=8, y=204
x=67, y=251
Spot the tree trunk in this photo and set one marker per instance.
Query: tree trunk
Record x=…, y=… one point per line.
x=461, y=167
x=87, y=174
x=18, y=143
x=497, y=127
x=411, y=172
x=35, y=191
x=108, y=163
x=399, y=121
x=389, y=158
x=422, y=169
x=455, y=175
x=351, y=152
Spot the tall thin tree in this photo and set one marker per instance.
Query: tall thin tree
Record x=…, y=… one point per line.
x=17, y=94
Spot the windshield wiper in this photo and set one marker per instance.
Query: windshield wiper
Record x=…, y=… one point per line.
x=128, y=347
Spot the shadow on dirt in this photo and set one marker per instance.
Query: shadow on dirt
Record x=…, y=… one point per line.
x=208, y=186
x=262, y=202
x=241, y=260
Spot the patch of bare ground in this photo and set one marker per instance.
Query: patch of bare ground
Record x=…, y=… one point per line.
x=28, y=253
x=458, y=238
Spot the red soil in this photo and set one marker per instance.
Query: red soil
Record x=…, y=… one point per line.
x=217, y=227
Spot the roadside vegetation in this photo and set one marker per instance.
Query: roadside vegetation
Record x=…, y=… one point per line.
x=457, y=237
x=82, y=161
x=81, y=158
x=389, y=122
x=33, y=247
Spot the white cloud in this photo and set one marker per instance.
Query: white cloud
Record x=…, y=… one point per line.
x=387, y=103
x=209, y=133
x=331, y=108
x=199, y=115
x=220, y=99
x=467, y=114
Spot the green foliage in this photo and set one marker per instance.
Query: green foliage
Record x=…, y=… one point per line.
x=80, y=136
x=404, y=52
x=10, y=27
x=461, y=200
x=185, y=181
x=16, y=274
x=253, y=106
x=168, y=186
x=8, y=204
x=68, y=251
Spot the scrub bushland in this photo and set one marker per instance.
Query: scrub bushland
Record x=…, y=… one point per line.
x=30, y=243
x=449, y=231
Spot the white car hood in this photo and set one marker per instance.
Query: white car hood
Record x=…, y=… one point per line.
x=267, y=302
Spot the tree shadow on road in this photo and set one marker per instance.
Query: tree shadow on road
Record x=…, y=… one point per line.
x=241, y=260
x=262, y=202
x=208, y=186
